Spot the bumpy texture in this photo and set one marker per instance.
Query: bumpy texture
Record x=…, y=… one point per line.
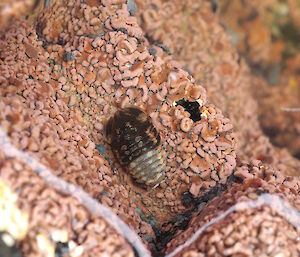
x=52, y=222
x=64, y=76
x=259, y=217
x=58, y=92
x=192, y=32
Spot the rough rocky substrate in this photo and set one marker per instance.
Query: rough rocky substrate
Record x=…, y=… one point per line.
x=60, y=83
x=258, y=217
x=193, y=33
x=45, y=222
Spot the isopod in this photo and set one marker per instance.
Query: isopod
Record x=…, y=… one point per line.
x=136, y=144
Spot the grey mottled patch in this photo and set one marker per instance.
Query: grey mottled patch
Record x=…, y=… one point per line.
x=131, y=7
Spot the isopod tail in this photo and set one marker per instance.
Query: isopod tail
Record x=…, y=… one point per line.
x=149, y=168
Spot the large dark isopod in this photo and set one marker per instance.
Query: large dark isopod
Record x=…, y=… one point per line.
x=137, y=145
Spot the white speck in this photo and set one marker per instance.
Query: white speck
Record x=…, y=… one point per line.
x=8, y=240
x=173, y=76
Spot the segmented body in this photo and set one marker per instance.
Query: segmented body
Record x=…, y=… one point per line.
x=137, y=145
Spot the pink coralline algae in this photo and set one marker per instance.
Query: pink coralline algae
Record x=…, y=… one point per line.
x=195, y=36
x=258, y=217
x=63, y=77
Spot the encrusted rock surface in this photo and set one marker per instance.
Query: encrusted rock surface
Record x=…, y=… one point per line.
x=191, y=31
x=259, y=217
x=59, y=90
x=61, y=79
x=48, y=221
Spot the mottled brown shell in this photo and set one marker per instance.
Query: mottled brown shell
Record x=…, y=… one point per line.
x=136, y=144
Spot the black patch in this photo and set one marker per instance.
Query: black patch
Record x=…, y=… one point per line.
x=61, y=42
x=27, y=55
x=165, y=48
x=192, y=108
x=181, y=222
x=214, y=5
x=186, y=198
x=260, y=192
x=271, y=131
x=61, y=249
x=123, y=30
